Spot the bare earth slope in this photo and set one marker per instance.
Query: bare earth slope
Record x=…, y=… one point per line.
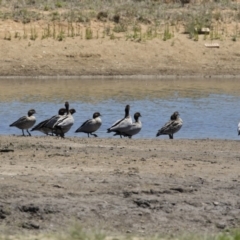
x=103, y=56
x=119, y=185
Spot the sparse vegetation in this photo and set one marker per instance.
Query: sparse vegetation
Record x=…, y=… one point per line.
x=61, y=34
x=167, y=34
x=33, y=35
x=88, y=33
x=7, y=36
x=136, y=20
x=77, y=232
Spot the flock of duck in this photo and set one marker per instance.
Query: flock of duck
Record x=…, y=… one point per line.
x=62, y=122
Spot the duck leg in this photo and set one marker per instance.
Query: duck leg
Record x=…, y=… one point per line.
x=28, y=133
x=95, y=135
x=62, y=133
x=23, y=133
x=170, y=136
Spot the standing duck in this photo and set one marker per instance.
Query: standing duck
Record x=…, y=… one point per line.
x=120, y=126
x=54, y=119
x=91, y=125
x=47, y=125
x=172, y=126
x=135, y=127
x=65, y=122
x=25, y=122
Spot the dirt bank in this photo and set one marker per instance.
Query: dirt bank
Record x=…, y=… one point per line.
x=119, y=185
x=77, y=56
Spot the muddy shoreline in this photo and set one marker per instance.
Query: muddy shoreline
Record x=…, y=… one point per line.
x=121, y=186
x=195, y=76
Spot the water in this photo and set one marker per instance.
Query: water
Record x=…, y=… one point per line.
x=208, y=107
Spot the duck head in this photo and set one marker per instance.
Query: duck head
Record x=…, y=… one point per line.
x=137, y=115
x=72, y=111
x=31, y=112
x=61, y=111
x=175, y=115
x=96, y=114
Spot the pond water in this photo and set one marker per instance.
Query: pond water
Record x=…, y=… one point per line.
x=208, y=107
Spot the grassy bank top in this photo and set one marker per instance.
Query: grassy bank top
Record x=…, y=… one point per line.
x=135, y=19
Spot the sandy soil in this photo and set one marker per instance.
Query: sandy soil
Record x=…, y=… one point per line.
x=78, y=56
x=119, y=185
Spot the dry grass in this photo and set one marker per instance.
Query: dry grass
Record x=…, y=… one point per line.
x=77, y=233
x=154, y=18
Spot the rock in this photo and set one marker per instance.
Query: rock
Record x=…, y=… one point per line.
x=4, y=212
x=221, y=225
x=30, y=225
x=50, y=210
x=29, y=208
x=142, y=203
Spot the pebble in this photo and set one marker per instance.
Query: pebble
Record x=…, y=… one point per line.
x=221, y=225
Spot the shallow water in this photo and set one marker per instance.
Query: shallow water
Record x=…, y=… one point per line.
x=208, y=107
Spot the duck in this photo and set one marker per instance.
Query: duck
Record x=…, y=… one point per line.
x=135, y=127
x=46, y=125
x=25, y=122
x=58, y=132
x=65, y=122
x=91, y=125
x=50, y=123
x=172, y=126
x=122, y=125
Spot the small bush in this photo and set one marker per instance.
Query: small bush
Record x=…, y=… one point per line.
x=59, y=4
x=46, y=8
x=88, y=33
x=102, y=16
x=120, y=28
x=167, y=34
x=61, y=35
x=33, y=34
x=116, y=18
x=55, y=16
x=194, y=24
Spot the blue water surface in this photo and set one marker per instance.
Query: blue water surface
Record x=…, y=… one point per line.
x=205, y=113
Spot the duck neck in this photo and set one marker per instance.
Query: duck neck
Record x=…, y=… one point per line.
x=67, y=109
x=127, y=113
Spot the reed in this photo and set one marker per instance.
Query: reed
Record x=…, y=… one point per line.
x=88, y=33
x=33, y=34
x=167, y=33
